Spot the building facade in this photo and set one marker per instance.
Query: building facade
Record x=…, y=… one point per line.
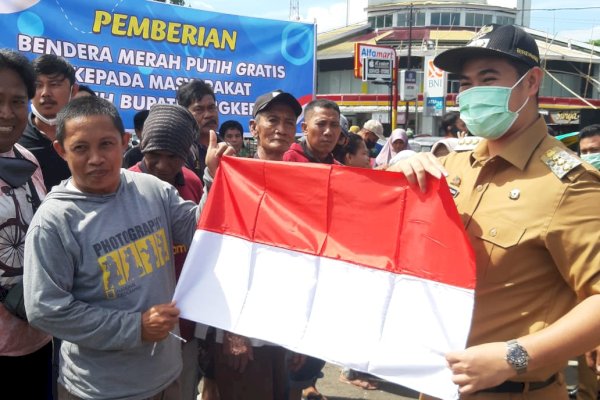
x=416, y=29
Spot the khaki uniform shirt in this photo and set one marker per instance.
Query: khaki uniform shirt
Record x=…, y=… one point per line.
x=536, y=236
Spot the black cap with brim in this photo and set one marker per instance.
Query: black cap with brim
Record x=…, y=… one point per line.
x=277, y=96
x=506, y=41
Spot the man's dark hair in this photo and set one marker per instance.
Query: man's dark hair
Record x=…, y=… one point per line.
x=87, y=106
x=522, y=69
x=589, y=131
x=139, y=118
x=449, y=119
x=231, y=124
x=50, y=64
x=84, y=88
x=17, y=62
x=320, y=103
x=193, y=91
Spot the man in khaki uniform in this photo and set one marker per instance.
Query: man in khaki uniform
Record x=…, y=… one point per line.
x=529, y=207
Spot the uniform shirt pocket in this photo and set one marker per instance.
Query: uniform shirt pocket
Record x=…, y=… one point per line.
x=494, y=245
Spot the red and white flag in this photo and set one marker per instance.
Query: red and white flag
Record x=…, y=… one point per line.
x=344, y=264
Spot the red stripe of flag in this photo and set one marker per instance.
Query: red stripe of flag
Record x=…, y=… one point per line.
x=343, y=213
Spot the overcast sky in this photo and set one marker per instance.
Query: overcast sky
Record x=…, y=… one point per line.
x=581, y=24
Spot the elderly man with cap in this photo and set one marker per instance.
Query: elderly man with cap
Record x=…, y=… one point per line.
x=168, y=134
x=247, y=368
x=371, y=132
x=529, y=207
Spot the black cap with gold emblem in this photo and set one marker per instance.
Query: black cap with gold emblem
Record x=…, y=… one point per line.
x=506, y=41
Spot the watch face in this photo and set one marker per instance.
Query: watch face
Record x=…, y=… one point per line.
x=517, y=356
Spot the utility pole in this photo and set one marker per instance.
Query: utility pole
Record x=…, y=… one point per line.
x=347, y=12
x=294, y=10
x=408, y=60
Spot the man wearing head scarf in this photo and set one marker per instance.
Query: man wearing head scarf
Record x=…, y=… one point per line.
x=168, y=135
x=397, y=142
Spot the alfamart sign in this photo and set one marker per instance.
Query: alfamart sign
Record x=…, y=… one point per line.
x=364, y=52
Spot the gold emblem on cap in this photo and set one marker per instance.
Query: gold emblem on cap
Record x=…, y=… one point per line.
x=483, y=31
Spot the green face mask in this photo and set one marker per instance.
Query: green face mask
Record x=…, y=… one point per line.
x=484, y=109
x=592, y=158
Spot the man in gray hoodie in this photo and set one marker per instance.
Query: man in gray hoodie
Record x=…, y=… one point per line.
x=99, y=264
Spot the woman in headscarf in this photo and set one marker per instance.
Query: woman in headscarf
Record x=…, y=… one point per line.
x=397, y=142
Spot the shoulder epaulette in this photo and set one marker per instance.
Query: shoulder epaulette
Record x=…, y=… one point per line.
x=560, y=161
x=467, y=143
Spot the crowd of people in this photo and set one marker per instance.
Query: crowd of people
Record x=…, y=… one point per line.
x=101, y=231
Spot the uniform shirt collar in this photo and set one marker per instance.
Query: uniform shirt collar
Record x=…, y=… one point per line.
x=519, y=150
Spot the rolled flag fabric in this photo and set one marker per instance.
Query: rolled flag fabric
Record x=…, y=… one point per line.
x=349, y=265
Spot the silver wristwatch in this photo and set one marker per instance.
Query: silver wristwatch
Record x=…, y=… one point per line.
x=516, y=356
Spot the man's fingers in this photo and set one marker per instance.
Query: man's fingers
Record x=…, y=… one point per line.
x=229, y=151
x=433, y=166
x=416, y=168
x=212, y=142
x=221, y=148
x=590, y=359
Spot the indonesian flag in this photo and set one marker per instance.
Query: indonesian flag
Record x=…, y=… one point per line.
x=347, y=265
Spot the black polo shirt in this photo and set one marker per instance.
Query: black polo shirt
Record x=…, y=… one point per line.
x=54, y=168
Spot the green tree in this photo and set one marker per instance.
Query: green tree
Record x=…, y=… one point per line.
x=595, y=42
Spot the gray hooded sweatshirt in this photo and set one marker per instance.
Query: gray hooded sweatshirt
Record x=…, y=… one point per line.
x=93, y=265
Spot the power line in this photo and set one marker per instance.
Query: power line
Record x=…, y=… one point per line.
x=557, y=9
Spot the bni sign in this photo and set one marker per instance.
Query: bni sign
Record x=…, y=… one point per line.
x=434, y=88
x=377, y=69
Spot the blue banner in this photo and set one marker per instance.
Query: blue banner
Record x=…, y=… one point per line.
x=136, y=53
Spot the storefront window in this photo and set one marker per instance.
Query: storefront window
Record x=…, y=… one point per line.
x=504, y=20
x=404, y=19
x=445, y=19
x=476, y=19
x=381, y=21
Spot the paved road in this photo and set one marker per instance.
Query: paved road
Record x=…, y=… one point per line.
x=333, y=389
